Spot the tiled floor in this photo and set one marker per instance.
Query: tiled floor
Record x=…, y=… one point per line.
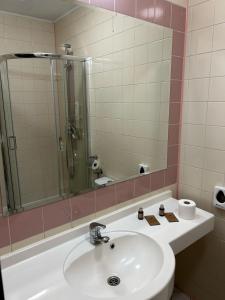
x=178, y=295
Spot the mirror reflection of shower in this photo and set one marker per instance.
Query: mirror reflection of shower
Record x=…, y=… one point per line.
x=44, y=136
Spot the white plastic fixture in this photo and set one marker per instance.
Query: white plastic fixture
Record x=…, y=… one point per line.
x=219, y=197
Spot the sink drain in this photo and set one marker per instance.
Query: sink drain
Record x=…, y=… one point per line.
x=113, y=280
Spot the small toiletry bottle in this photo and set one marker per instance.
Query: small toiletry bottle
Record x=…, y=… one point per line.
x=140, y=214
x=162, y=210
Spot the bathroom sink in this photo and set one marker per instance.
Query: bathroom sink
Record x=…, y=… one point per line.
x=130, y=266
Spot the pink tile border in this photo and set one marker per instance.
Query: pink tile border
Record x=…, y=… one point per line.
x=83, y=205
x=178, y=18
x=56, y=214
x=105, y=198
x=142, y=185
x=124, y=191
x=163, y=13
x=178, y=44
x=172, y=155
x=175, y=90
x=126, y=7
x=174, y=116
x=107, y=4
x=29, y=223
x=4, y=232
x=177, y=68
x=157, y=180
x=26, y=224
x=145, y=10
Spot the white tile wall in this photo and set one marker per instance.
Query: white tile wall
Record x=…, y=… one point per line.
x=204, y=100
x=203, y=132
x=129, y=81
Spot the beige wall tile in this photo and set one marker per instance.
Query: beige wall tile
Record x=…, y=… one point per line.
x=195, y=112
x=215, y=113
x=199, y=19
x=200, y=65
x=203, y=145
x=191, y=176
x=129, y=86
x=201, y=40
x=219, y=11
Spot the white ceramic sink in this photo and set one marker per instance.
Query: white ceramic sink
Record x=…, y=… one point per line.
x=143, y=266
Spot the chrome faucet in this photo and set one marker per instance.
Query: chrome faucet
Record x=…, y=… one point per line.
x=95, y=234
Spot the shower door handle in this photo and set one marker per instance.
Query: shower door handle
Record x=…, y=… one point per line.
x=61, y=144
x=12, y=143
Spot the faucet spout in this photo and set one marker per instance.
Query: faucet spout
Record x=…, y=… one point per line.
x=95, y=234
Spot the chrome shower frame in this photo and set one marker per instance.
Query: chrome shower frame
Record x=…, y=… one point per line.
x=25, y=55
x=12, y=204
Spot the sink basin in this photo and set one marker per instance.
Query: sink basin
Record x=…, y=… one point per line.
x=130, y=266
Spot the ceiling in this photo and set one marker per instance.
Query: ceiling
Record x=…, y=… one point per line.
x=44, y=9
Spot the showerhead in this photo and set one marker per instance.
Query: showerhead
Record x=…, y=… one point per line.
x=68, y=49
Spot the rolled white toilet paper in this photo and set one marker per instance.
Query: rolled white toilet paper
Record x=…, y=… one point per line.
x=95, y=165
x=186, y=209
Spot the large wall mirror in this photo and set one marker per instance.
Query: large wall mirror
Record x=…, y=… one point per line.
x=94, y=114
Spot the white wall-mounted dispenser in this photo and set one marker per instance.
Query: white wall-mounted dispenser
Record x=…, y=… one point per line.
x=143, y=169
x=219, y=197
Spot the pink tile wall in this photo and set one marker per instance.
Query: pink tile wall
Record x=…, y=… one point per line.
x=27, y=224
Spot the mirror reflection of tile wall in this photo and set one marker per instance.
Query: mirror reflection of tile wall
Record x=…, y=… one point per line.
x=32, y=106
x=129, y=87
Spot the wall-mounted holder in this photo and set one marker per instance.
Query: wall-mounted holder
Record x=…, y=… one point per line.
x=143, y=169
x=219, y=197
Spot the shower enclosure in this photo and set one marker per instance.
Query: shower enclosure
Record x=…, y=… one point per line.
x=44, y=132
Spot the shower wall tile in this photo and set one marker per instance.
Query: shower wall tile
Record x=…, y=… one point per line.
x=139, y=49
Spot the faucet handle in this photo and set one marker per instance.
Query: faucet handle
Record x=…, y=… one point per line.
x=96, y=225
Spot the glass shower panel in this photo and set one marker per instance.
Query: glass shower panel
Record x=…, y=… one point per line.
x=70, y=76
x=33, y=115
x=8, y=145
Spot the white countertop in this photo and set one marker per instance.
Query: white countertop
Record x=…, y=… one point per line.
x=35, y=272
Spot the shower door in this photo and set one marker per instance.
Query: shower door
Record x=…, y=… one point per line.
x=70, y=81
x=29, y=136
x=10, y=189
x=44, y=139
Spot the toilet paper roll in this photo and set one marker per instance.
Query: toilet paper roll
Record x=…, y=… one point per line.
x=186, y=209
x=95, y=165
